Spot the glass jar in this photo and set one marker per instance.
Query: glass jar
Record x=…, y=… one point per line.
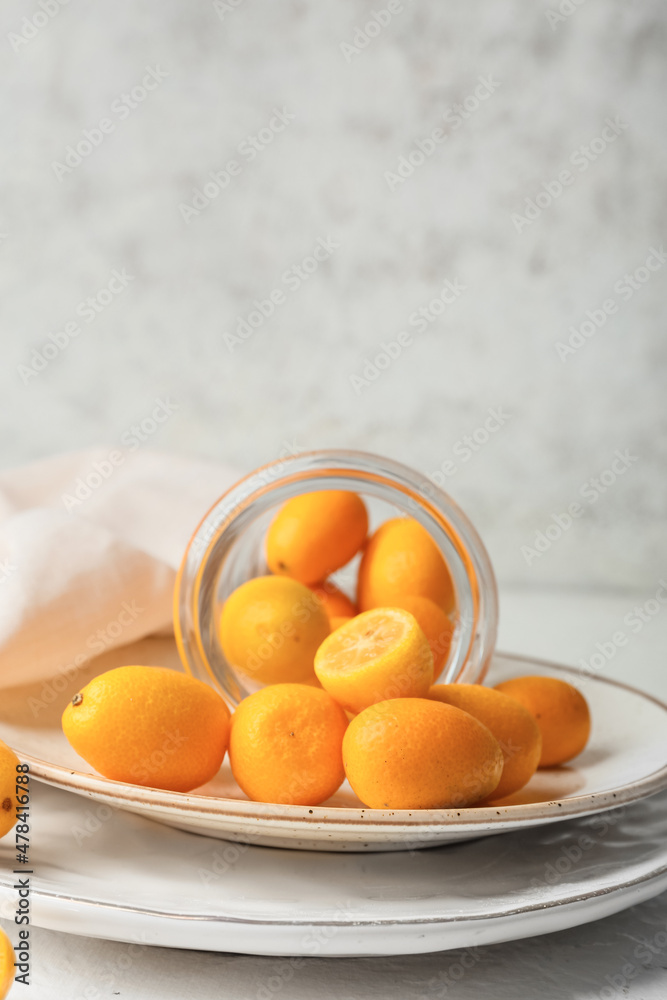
x=227, y=549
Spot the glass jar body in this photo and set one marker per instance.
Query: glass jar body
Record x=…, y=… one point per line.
x=227, y=549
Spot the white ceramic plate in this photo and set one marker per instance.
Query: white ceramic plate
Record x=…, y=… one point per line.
x=109, y=874
x=626, y=759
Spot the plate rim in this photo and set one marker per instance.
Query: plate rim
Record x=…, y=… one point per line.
x=339, y=818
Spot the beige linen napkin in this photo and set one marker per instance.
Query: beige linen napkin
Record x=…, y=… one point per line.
x=89, y=547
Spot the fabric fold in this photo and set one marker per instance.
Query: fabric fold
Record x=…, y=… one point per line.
x=89, y=547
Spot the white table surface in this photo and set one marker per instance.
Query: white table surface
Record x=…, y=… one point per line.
x=597, y=961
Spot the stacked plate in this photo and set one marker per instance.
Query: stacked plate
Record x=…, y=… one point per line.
x=578, y=843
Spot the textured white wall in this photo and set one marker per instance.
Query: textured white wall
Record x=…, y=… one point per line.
x=550, y=87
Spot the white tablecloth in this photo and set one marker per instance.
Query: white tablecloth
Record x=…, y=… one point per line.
x=597, y=961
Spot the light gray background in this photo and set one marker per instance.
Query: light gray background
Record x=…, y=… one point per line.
x=289, y=386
